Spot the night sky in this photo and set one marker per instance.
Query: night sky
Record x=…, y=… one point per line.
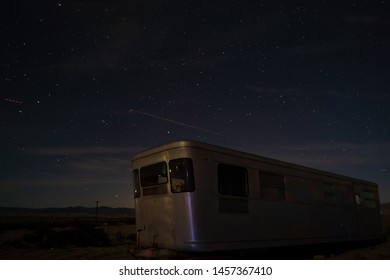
x=87, y=84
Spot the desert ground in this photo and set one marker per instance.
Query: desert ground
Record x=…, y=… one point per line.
x=115, y=239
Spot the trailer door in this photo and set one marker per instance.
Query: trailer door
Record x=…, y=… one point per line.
x=368, y=210
x=182, y=187
x=154, y=210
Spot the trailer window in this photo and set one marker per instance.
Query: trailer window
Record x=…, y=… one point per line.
x=272, y=186
x=136, y=183
x=329, y=191
x=368, y=198
x=182, y=175
x=232, y=180
x=154, y=174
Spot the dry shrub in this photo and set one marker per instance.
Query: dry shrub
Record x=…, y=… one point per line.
x=83, y=236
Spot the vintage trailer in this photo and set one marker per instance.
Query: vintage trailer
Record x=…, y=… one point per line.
x=196, y=197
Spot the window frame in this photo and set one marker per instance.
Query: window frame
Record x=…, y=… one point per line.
x=136, y=183
x=163, y=165
x=190, y=180
x=223, y=169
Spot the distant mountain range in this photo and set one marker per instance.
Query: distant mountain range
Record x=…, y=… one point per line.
x=103, y=211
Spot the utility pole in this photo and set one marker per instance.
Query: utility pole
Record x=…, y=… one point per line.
x=97, y=207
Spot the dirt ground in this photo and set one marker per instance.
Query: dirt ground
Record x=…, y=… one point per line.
x=112, y=252
x=122, y=243
x=121, y=237
x=125, y=251
x=375, y=252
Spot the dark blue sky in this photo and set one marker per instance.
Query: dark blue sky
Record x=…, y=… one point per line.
x=87, y=84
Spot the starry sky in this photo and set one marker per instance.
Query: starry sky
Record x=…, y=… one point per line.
x=87, y=84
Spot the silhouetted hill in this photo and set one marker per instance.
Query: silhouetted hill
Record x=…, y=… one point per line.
x=103, y=211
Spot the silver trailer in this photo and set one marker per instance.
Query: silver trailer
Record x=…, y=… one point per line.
x=196, y=197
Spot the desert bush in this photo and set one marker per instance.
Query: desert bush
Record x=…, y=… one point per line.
x=132, y=236
x=85, y=236
x=33, y=238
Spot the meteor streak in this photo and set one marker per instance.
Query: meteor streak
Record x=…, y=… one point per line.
x=12, y=100
x=173, y=121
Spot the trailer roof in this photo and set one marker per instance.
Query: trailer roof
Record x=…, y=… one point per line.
x=237, y=153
